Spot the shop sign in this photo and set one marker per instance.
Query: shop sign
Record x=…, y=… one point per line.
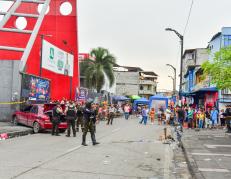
x=56, y=59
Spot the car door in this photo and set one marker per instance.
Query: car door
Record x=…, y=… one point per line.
x=24, y=115
x=32, y=116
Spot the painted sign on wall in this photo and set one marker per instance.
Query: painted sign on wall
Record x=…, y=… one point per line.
x=56, y=59
x=190, y=80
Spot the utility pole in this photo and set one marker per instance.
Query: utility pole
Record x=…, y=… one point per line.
x=174, y=79
x=181, y=55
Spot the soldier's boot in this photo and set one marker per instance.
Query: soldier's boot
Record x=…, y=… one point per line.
x=93, y=139
x=74, y=133
x=82, y=128
x=68, y=133
x=84, y=140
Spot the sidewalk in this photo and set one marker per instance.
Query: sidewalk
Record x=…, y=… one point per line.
x=14, y=131
x=208, y=153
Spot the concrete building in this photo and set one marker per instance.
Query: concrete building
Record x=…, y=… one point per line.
x=192, y=60
x=147, y=84
x=135, y=81
x=200, y=91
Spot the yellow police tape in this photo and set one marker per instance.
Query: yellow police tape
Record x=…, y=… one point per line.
x=18, y=102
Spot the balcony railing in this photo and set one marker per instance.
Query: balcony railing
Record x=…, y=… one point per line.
x=147, y=82
x=148, y=92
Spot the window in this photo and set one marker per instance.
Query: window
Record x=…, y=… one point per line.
x=226, y=91
x=34, y=110
x=227, y=40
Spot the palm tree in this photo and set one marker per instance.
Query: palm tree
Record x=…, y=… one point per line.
x=97, y=67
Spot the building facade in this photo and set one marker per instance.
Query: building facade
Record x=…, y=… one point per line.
x=57, y=27
x=220, y=40
x=135, y=81
x=196, y=89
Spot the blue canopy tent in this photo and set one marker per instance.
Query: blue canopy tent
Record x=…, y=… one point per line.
x=158, y=101
x=143, y=101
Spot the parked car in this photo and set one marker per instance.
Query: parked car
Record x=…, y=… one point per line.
x=37, y=116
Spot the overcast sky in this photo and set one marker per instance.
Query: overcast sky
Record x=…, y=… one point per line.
x=133, y=30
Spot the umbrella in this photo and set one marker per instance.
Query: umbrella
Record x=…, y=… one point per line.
x=135, y=97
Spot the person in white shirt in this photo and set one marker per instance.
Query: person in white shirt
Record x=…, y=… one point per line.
x=111, y=114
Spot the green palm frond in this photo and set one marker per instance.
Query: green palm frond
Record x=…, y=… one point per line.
x=95, y=70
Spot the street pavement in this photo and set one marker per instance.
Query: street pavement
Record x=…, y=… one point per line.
x=14, y=131
x=127, y=150
x=208, y=153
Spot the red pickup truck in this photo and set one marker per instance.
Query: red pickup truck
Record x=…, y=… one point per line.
x=37, y=116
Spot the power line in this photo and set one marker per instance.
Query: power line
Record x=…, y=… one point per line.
x=190, y=11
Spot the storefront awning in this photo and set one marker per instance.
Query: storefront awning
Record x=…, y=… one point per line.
x=209, y=89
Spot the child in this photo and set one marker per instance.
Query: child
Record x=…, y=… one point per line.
x=201, y=117
x=152, y=115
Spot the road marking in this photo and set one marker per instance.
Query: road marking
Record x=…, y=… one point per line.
x=115, y=130
x=215, y=146
x=73, y=149
x=219, y=170
x=212, y=154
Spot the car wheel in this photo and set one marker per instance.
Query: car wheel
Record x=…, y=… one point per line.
x=62, y=130
x=36, y=127
x=15, y=121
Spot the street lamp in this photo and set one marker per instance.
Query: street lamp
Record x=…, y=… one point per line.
x=174, y=85
x=173, y=81
x=41, y=51
x=181, y=56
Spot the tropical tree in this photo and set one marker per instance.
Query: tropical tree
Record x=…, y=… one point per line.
x=219, y=69
x=97, y=68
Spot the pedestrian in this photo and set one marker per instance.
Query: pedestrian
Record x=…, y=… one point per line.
x=159, y=116
x=168, y=114
x=70, y=112
x=201, y=117
x=214, y=117
x=207, y=118
x=111, y=114
x=79, y=116
x=126, y=111
x=222, y=117
x=89, y=118
x=144, y=115
x=152, y=115
x=57, y=113
x=190, y=117
x=228, y=118
x=181, y=116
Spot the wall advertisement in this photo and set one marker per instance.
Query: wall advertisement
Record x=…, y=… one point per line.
x=35, y=88
x=56, y=59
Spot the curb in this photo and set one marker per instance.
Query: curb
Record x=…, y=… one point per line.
x=19, y=133
x=192, y=167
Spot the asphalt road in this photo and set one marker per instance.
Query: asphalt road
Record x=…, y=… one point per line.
x=209, y=153
x=127, y=150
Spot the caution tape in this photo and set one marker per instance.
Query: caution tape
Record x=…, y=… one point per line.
x=18, y=102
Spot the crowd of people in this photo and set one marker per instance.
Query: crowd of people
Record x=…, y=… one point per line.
x=85, y=116
x=187, y=116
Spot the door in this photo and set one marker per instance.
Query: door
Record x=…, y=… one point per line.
x=32, y=116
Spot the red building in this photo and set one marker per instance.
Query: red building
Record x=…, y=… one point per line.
x=58, y=28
